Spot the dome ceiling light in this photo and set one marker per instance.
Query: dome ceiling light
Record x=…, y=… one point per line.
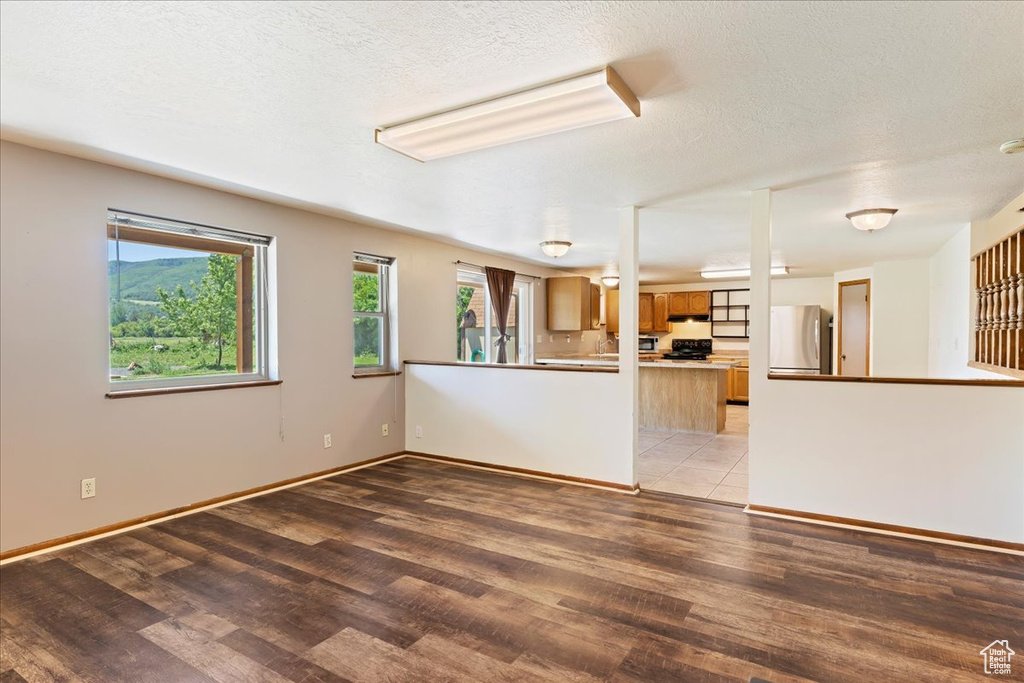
x=555, y=248
x=870, y=220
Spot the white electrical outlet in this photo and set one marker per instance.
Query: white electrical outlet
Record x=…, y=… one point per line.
x=419, y=432
x=540, y=339
x=327, y=440
x=551, y=338
x=89, y=488
x=384, y=429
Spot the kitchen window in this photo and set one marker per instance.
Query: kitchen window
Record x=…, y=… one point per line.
x=475, y=329
x=371, y=312
x=187, y=304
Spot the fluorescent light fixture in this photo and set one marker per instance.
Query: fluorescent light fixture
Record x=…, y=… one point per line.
x=555, y=248
x=870, y=220
x=741, y=273
x=610, y=280
x=573, y=103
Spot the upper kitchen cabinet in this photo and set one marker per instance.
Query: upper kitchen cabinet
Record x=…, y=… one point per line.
x=681, y=304
x=571, y=304
x=611, y=314
x=645, y=311
x=661, y=323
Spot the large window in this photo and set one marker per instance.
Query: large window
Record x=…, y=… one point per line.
x=371, y=323
x=476, y=326
x=188, y=303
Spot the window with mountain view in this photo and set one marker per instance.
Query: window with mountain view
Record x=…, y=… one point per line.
x=187, y=303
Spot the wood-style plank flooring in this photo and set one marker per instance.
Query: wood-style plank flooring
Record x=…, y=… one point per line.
x=421, y=571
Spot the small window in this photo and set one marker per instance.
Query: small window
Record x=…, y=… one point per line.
x=475, y=325
x=371, y=324
x=188, y=303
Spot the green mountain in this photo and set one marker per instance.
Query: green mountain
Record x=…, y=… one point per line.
x=139, y=279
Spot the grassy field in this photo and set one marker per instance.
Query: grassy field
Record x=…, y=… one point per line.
x=178, y=357
x=367, y=359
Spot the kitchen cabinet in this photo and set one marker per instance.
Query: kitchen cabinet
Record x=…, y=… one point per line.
x=652, y=312
x=611, y=313
x=571, y=305
x=740, y=381
x=689, y=303
x=661, y=323
x=645, y=312
x=595, y=307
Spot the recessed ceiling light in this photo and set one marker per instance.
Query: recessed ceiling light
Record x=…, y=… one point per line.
x=573, y=103
x=870, y=220
x=1012, y=146
x=740, y=273
x=610, y=280
x=555, y=248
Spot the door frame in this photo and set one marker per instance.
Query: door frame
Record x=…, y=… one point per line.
x=867, y=326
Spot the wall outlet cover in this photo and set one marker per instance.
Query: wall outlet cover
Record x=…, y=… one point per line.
x=327, y=440
x=419, y=432
x=89, y=488
x=384, y=429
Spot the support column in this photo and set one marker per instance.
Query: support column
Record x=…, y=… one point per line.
x=760, y=322
x=629, y=288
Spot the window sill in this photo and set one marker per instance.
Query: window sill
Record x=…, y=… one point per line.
x=380, y=373
x=161, y=391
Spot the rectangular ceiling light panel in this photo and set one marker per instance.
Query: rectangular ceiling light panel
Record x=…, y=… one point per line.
x=745, y=272
x=583, y=101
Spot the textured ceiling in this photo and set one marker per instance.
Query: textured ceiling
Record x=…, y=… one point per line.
x=840, y=105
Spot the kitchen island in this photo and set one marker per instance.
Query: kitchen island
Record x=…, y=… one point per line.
x=683, y=395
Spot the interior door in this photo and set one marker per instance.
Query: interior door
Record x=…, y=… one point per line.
x=854, y=328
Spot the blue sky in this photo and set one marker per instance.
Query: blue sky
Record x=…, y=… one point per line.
x=145, y=252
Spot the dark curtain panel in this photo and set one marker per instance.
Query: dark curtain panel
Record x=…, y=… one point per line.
x=501, y=283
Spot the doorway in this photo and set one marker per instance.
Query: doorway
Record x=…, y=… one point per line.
x=855, y=328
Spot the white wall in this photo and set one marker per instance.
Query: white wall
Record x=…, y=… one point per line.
x=578, y=424
x=899, y=318
x=156, y=453
x=949, y=311
x=550, y=421
x=942, y=458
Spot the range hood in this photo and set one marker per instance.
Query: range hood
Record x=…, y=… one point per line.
x=703, y=318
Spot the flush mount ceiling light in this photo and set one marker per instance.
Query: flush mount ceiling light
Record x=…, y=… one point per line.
x=610, y=280
x=555, y=248
x=870, y=220
x=573, y=103
x=1012, y=146
x=741, y=273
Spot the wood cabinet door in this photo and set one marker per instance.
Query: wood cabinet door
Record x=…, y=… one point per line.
x=595, y=307
x=661, y=323
x=611, y=316
x=699, y=303
x=679, y=303
x=646, y=312
x=741, y=392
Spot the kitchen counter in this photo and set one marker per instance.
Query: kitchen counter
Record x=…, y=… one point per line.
x=660, y=363
x=692, y=401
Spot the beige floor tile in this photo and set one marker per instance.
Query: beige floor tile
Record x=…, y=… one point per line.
x=689, y=439
x=648, y=480
x=713, y=461
x=677, y=449
x=730, y=494
x=683, y=488
x=695, y=476
x=741, y=466
x=733, y=479
x=656, y=467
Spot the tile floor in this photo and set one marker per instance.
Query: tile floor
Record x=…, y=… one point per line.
x=700, y=465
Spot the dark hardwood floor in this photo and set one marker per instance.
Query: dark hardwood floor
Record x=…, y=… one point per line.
x=421, y=571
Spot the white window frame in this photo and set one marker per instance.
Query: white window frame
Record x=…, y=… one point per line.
x=386, y=267
x=260, y=244
x=524, y=329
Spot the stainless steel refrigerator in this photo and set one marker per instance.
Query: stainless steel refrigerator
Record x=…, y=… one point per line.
x=795, y=344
